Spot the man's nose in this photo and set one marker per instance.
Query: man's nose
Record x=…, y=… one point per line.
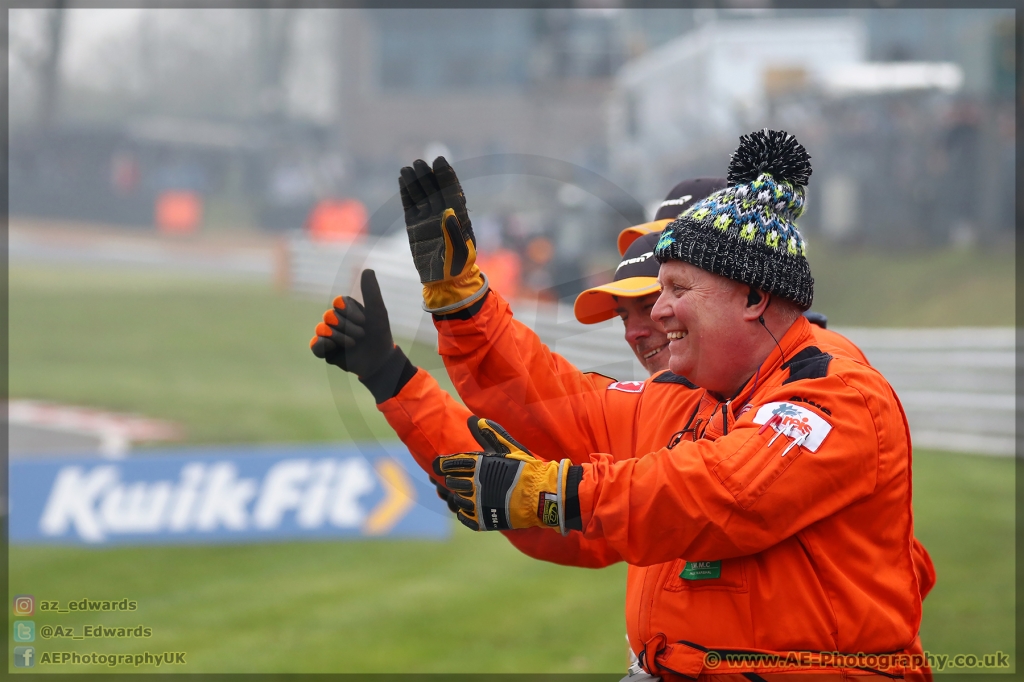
x=661, y=310
x=636, y=330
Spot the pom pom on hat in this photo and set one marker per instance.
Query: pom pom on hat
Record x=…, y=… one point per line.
x=775, y=152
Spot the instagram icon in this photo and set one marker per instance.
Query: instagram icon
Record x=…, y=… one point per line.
x=24, y=605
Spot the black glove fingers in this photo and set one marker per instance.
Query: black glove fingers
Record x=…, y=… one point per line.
x=445, y=176
x=461, y=467
x=496, y=444
x=348, y=336
x=322, y=347
x=468, y=522
x=343, y=341
x=461, y=504
x=507, y=441
x=348, y=308
x=474, y=428
x=458, y=485
x=343, y=313
x=416, y=194
x=372, y=299
x=429, y=185
x=408, y=205
x=448, y=497
x=451, y=190
x=346, y=333
x=407, y=202
x=460, y=252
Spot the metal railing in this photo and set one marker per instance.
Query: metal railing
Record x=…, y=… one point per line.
x=957, y=385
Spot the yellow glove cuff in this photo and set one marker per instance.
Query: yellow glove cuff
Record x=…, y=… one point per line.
x=453, y=295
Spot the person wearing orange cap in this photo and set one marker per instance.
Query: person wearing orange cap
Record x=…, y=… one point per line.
x=634, y=286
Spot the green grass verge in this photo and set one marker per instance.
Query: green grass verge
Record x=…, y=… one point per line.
x=229, y=361
x=468, y=605
x=946, y=288
x=474, y=604
x=964, y=514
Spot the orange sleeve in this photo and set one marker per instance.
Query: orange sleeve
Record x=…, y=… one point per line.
x=836, y=343
x=924, y=567
x=503, y=371
x=739, y=494
x=430, y=422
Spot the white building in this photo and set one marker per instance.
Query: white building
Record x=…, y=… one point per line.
x=695, y=95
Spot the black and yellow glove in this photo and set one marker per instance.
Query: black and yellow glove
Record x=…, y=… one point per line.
x=441, y=237
x=357, y=338
x=507, y=488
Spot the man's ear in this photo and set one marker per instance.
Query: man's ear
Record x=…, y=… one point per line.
x=757, y=302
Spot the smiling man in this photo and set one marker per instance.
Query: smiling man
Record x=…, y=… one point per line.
x=631, y=295
x=777, y=520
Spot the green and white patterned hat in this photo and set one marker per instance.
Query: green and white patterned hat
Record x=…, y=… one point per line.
x=747, y=231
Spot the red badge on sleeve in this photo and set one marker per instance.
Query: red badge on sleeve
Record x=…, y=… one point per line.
x=627, y=386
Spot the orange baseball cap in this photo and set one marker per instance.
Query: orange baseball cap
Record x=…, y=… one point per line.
x=631, y=234
x=636, y=275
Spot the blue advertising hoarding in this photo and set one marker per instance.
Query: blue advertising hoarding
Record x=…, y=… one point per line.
x=226, y=494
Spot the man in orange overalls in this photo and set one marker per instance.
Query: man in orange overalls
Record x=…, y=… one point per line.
x=755, y=529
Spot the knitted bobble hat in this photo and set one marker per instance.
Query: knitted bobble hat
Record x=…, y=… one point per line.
x=747, y=231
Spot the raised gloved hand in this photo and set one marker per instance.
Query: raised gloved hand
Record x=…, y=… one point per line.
x=357, y=338
x=506, y=488
x=441, y=237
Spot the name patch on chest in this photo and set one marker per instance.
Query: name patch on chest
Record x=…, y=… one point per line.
x=627, y=386
x=701, y=570
x=796, y=422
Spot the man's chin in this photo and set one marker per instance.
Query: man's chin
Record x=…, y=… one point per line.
x=678, y=365
x=653, y=367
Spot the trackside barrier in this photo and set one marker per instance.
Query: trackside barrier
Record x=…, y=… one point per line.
x=956, y=385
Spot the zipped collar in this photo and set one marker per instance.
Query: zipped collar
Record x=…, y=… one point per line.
x=795, y=337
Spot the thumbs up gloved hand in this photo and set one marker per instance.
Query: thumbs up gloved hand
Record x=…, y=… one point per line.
x=357, y=338
x=507, y=488
x=441, y=237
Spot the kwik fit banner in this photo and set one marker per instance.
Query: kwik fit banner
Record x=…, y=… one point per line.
x=226, y=494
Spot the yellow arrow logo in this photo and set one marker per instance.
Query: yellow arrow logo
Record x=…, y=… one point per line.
x=399, y=497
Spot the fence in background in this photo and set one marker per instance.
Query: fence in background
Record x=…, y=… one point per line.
x=957, y=385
